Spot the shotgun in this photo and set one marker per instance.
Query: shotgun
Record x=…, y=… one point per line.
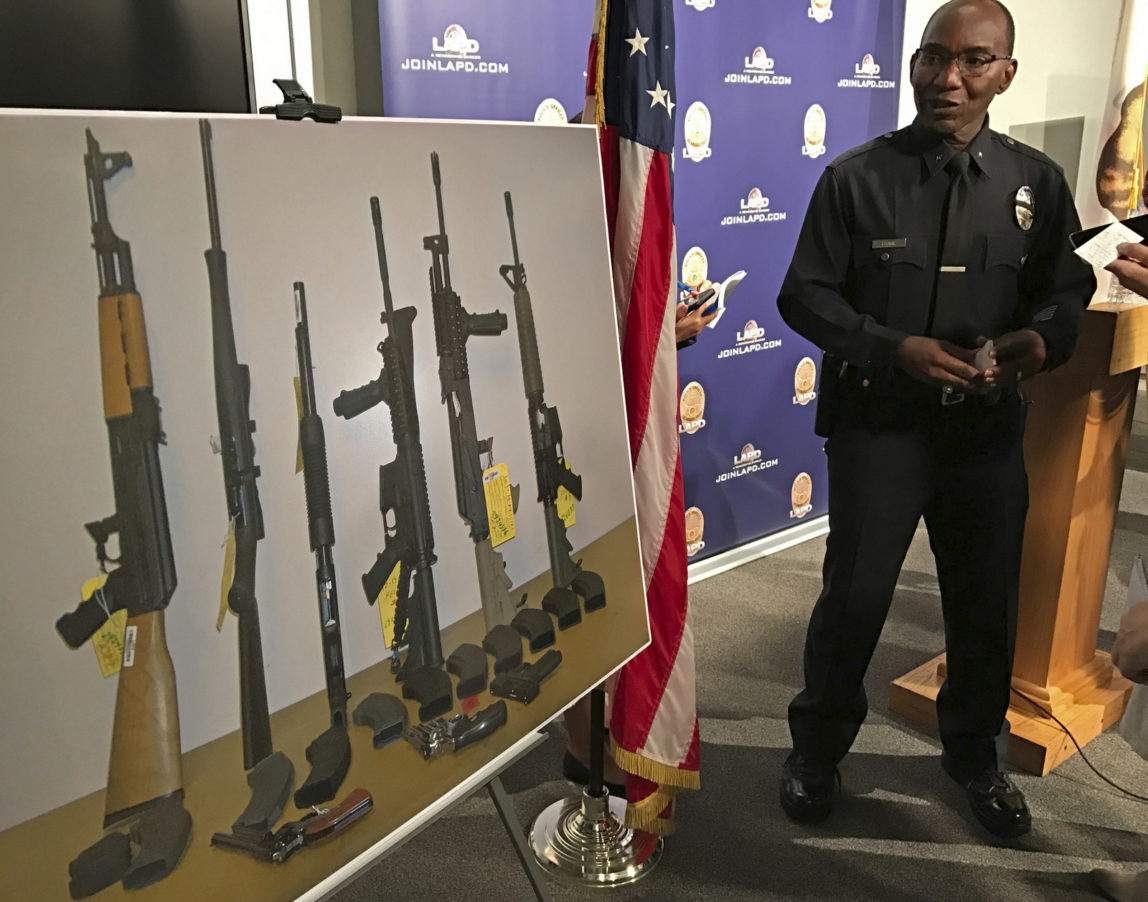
x=271, y=775
x=330, y=753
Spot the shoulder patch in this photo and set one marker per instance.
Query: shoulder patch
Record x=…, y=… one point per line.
x=869, y=146
x=1009, y=143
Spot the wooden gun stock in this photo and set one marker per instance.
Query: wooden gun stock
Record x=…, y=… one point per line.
x=145, y=758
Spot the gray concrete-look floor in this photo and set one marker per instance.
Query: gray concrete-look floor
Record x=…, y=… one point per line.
x=900, y=833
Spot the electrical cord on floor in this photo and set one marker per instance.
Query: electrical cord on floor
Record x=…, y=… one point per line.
x=1047, y=713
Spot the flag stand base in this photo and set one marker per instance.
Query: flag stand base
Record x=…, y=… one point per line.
x=582, y=839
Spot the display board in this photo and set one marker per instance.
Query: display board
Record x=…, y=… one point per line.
x=292, y=204
x=775, y=91
x=502, y=59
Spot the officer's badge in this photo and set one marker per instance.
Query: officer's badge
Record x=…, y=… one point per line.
x=1025, y=207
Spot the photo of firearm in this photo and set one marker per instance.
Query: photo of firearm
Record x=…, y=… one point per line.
x=330, y=753
x=271, y=775
x=145, y=784
x=453, y=325
x=405, y=505
x=570, y=580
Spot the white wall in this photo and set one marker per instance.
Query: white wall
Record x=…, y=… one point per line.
x=271, y=50
x=1064, y=49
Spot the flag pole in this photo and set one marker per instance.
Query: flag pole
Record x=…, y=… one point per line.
x=583, y=839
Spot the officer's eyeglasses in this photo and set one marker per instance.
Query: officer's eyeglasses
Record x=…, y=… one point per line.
x=969, y=62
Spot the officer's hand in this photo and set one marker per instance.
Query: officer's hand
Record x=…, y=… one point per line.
x=1130, y=650
x=1132, y=266
x=1019, y=355
x=936, y=362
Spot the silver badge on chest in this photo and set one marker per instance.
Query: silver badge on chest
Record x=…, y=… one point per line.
x=1025, y=207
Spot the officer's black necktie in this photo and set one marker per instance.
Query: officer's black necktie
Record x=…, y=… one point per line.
x=953, y=247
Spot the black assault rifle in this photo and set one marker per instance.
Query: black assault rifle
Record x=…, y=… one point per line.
x=570, y=580
x=145, y=782
x=271, y=775
x=453, y=325
x=330, y=753
x=403, y=501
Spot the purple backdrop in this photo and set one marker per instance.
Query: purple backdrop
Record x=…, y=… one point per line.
x=773, y=91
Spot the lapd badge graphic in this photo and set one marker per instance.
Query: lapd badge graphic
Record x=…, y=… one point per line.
x=800, y=496
x=1025, y=207
x=819, y=10
x=455, y=42
x=695, y=527
x=695, y=267
x=697, y=125
x=804, y=379
x=692, y=407
x=814, y=132
x=550, y=112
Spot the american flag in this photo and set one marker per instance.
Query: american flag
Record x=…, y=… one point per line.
x=630, y=94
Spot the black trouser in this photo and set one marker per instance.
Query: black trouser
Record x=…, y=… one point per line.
x=890, y=463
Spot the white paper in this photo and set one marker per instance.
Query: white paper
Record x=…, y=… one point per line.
x=986, y=356
x=1101, y=250
x=724, y=291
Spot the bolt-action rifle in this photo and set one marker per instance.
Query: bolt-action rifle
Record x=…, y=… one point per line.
x=570, y=580
x=453, y=325
x=330, y=753
x=271, y=775
x=145, y=783
x=404, y=503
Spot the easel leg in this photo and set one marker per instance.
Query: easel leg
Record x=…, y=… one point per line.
x=518, y=838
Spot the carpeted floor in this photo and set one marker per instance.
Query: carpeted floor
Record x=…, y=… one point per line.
x=901, y=833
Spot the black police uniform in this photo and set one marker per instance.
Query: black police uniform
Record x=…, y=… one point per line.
x=884, y=253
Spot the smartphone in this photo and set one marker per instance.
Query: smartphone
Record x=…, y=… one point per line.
x=1138, y=224
x=703, y=297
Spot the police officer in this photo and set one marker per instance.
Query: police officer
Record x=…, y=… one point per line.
x=917, y=249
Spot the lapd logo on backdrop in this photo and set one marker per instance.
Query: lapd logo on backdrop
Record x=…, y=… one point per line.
x=748, y=460
x=759, y=70
x=801, y=495
x=701, y=5
x=819, y=10
x=697, y=125
x=815, y=125
x=750, y=338
x=754, y=207
x=455, y=51
x=692, y=407
x=804, y=379
x=695, y=268
x=866, y=74
x=550, y=112
x=695, y=528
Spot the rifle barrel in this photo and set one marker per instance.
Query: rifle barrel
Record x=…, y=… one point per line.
x=209, y=181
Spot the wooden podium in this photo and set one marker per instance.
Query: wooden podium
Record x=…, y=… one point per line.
x=1076, y=442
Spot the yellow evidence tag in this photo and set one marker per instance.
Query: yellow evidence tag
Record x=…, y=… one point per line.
x=93, y=585
x=108, y=642
x=299, y=410
x=499, y=504
x=565, y=505
x=228, y=574
x=387, y=602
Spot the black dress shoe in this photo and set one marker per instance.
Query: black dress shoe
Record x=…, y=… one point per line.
x=578, y=773
x=807, y=791
x=996, y=801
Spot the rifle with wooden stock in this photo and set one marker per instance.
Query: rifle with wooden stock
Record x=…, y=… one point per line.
x=145, y=784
